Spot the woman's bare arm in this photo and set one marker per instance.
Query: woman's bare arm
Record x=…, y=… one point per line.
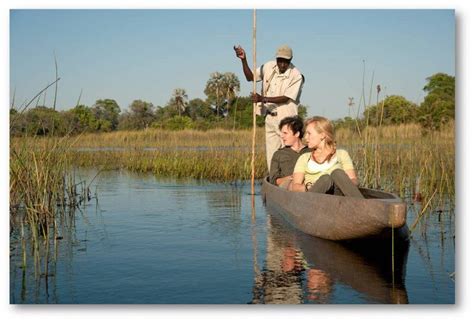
x=297, y=182
x=353, y=176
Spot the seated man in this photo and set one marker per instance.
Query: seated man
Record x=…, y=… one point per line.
x=284, y=160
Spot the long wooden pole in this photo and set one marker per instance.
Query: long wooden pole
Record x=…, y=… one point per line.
x=254, y=92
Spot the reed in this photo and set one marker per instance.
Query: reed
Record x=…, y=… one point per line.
x=156, y=138
x=218, y=155
x=43, y=196
x=418, y=166
x=400, y=159
x=221, y=165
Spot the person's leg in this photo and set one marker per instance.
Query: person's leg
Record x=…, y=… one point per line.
x=324, y=184
x=272, y=138
x=337, y=191
x=344, y=183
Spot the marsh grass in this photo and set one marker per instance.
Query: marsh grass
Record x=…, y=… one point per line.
x=417, y=165
x=43, y=197
x=218, y=155
x=401, y=159
x=156, y=138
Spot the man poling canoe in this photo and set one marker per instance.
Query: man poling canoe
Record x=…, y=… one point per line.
x=282, y=84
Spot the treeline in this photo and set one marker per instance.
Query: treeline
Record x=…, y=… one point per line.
x=437, y=108
x=222, y=108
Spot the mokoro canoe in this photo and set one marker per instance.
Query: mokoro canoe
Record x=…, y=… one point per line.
x=338, y=217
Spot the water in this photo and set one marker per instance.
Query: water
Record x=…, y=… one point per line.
x=148, y=240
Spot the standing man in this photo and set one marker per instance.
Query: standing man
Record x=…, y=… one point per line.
x=281, y=91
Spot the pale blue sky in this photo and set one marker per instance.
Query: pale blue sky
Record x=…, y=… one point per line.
x=145, y=54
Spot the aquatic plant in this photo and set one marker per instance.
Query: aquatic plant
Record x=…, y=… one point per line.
x=417, y=165
x=396, y=158
x=43, y=196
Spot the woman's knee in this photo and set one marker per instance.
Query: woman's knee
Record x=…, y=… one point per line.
x=339, y=173
x=325, y=180
x=322, y=185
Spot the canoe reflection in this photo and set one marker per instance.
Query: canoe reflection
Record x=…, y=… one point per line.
x=300, y=268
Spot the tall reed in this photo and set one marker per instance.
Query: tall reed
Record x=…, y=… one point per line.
x=43, y=196
x=399, y=158
x=218, y=155
x=407, y=161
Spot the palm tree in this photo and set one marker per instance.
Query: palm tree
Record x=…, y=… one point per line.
x=232, y=85
x=179, y=100
x=222, y=87
x=214, y=89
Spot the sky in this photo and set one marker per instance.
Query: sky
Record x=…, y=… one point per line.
x=144, y=54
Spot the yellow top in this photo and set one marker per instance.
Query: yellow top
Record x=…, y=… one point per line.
x=313, y=170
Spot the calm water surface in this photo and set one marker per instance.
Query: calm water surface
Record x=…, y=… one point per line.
x=148, y=240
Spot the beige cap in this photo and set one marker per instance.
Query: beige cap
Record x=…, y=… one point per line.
x=284, y=52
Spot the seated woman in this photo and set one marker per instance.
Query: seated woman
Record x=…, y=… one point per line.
x=284, y=160
x=325, y=169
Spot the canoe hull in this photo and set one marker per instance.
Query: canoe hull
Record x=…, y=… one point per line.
x=337, y=217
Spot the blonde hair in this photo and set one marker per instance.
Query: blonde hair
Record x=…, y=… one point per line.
x=323, y=125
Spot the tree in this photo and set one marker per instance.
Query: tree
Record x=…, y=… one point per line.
x=221, y=89
x=232, y=86
x=107, y=112
x=166, y=112
x=393, y=109
x=438, y=106
x=179, y=100
x=214, y=90
x=244, y=113
x=346, y=122
x=302, y=111
x=141, y=115
x=198, y=109
x=82, y=119
x=441, y=84
x=18, y=122
x=43, y=121
x=178, y=123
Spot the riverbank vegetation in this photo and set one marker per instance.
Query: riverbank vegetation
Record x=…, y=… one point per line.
x=396, y=145
x=398, y=158
x=44, y=196
x=223, y=109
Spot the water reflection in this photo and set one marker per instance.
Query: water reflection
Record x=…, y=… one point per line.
x=303, y=269
x=227, y=201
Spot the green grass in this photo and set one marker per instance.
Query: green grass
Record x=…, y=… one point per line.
x=43, y=197
x=399, y=159
x=405, y=160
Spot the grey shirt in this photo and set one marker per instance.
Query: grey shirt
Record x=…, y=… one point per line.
x=283, y=162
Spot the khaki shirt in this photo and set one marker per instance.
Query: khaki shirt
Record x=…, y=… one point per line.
x=288, y=84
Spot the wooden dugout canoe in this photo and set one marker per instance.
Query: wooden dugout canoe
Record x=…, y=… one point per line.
x=337, y=217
